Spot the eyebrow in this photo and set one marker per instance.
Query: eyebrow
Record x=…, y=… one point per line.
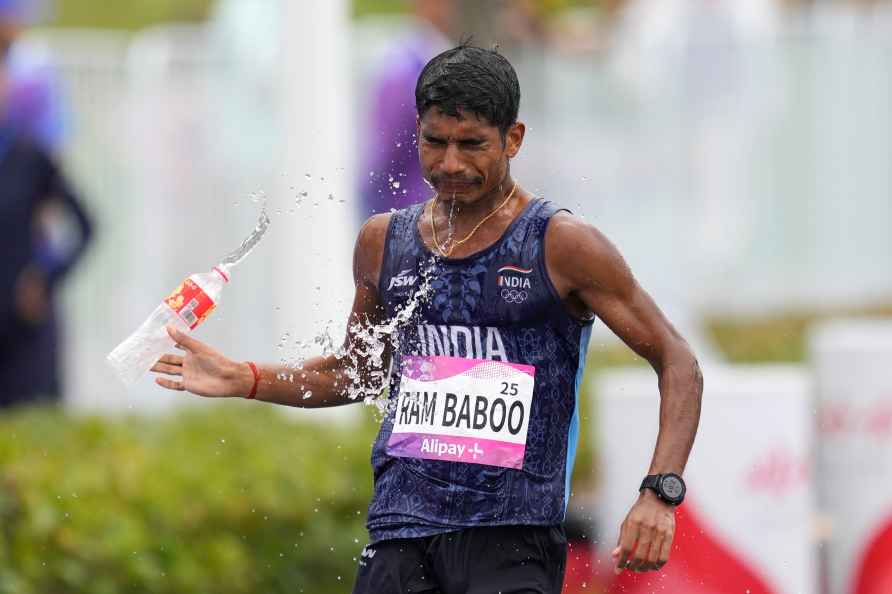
x=471, y=140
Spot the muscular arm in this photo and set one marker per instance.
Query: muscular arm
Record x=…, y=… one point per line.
x=323, y=381
x=592, y=276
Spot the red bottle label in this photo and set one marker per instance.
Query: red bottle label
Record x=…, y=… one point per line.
x=191, y=303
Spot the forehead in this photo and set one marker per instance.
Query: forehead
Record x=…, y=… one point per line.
x=435, y=121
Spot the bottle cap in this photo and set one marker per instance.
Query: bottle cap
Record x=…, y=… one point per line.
x=219, y=270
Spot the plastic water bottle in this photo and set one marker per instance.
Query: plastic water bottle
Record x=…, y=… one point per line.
x=186, y=308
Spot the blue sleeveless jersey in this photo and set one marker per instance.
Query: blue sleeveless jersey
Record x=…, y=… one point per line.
x=498, y=304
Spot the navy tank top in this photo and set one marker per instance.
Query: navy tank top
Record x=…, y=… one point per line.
x=482, y=419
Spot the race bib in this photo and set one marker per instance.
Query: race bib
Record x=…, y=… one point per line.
x=463, y=410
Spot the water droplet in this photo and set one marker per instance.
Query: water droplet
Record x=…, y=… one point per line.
x=308, y=176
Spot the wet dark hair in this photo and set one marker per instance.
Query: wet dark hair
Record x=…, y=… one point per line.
x=470, y=79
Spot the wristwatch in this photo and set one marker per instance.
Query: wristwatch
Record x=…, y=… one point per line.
x=668, y=487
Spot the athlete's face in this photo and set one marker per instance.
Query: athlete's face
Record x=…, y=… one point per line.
x=465, y=156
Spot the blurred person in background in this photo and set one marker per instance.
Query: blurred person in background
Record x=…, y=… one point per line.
x=389, y=176
x=36, y=205
x=33, y=104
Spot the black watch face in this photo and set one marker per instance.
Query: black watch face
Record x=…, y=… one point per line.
x=672, y=487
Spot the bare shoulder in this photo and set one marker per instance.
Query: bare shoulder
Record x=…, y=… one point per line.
x=368, y=254
x=374, y=230
x=580, y=256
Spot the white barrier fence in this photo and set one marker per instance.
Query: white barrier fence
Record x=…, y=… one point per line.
x=852, y=362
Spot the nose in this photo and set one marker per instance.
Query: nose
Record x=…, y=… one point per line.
x=451, y=164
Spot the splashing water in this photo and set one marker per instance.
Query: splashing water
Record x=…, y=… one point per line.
x=369, y=349
x=450, y=237
x=372, y=341
x=235, y=257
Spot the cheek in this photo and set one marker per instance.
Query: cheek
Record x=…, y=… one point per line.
x=425, y=159
x=495, y=166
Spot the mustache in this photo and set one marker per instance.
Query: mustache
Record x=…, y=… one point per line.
x=438, y=180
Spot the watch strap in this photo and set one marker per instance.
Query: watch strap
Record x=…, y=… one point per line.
x=651, y=481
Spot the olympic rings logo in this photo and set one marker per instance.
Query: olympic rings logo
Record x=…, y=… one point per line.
x=514, y=296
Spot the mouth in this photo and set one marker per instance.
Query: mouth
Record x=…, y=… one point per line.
x=454, y=186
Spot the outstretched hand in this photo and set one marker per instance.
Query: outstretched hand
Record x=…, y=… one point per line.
x=201, y=370
x=645, y=538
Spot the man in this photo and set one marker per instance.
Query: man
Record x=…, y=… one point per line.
x=488, y=295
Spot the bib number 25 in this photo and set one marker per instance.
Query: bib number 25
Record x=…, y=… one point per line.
x=509, y=389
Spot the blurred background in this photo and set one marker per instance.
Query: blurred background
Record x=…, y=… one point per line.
x=738, y=153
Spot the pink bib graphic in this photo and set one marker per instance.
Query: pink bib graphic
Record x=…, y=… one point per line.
x=463, y=410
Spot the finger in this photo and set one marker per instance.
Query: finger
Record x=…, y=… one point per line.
x=167, y=368
x=642, y=548
x=653, y=556
x=649, y=557
x=171, y=359
x=169, y=384
x=665, y=549
x=638, y=563
x=183, y=340
x=627, y=539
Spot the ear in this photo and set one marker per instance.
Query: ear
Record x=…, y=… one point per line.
x=514, y=139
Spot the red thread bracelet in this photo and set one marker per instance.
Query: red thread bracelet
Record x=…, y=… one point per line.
x=256, y=380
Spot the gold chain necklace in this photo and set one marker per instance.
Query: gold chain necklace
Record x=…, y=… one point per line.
x=459, y=242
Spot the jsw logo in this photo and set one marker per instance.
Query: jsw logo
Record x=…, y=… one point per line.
x=403, y=279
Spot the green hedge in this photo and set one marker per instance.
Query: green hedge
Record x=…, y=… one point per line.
x=233, y=499
x=127, y=15
x=780, y=337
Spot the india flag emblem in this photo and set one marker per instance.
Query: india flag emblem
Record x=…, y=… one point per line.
x=516, y=269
